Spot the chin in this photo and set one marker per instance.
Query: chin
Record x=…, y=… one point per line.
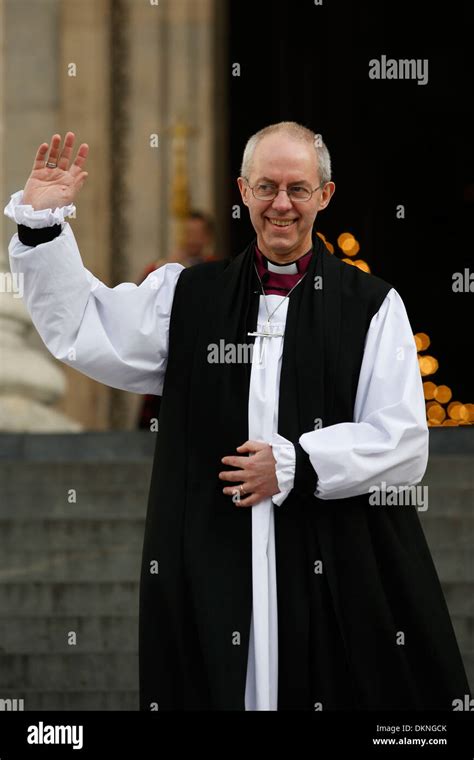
x=277, y=244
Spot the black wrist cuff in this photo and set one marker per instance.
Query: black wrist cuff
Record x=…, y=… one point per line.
x=32, y=237
x=306, y=478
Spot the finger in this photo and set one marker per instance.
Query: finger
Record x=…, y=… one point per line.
x=65, y=157
x=243, y=489
x=81, y=180
x=252, y=446
x=54, y=149
x=232, y=475
x=231, y=490
x=80, y=159
x=249, y=501
x=234, y=461
x=40, y=157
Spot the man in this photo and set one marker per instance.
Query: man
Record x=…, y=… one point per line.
x=197, y=239
x=314, y=598
x=198, y=234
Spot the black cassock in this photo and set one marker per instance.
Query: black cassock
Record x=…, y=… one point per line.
x=337, y=630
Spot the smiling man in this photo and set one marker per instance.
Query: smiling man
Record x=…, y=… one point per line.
x=269, y=581
x=285, y=184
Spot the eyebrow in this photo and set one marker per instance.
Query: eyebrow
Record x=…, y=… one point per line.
x=294, y=182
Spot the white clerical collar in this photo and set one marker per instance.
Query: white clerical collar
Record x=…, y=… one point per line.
x=282, y=268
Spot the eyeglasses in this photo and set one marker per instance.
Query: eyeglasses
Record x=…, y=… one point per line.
x=267, y=191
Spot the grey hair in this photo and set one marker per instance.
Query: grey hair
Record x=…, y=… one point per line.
x=298, y=132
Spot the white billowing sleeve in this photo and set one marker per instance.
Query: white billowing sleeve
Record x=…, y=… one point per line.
x=24, y=213
x=388, y=440
x=285, y=463
x=118, y=336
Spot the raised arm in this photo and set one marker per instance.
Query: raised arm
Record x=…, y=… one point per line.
x=118, y=336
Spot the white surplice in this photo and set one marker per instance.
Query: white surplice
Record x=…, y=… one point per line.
x=119, y=336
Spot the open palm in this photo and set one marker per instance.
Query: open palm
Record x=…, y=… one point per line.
x=55, y=187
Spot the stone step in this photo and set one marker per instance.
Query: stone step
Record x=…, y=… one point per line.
x=459, y=597
x=89, y=446
x=40, y=634
x=464, y=628
x=43, y=535
x=450, y=470
x=449, y=532
x=50, y=500
x=74, y=598
x=122, y=488
x=451, y=441
x=449, y=500
x=74, y=700
x=103, y=499
x=33, y=597
x=76, y=566
x=468, y=659
x=73, y=671
x=454, y=564
x=116, y=563
x=18, y=476
x=22, y=674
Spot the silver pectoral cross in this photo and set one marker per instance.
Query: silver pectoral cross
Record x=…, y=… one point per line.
x=267, y=333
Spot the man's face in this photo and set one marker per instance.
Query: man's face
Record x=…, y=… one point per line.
x=284, y=162
x=196, y=237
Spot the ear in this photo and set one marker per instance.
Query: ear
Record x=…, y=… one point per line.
x=328, y=192
x=244, y=190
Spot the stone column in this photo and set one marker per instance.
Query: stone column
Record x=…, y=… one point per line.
x=83, y=80
x=30, y=381
x=171, y=78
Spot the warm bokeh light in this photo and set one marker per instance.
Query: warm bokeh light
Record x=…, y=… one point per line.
x=454, y=410
x=348, y=244
x=443, y=394
x=428, y=365
x=422, y=341
x=429, y=389
x=435, y=395
x=436, y=412
x=343, y=237
x=353, y=250
x=361, y=264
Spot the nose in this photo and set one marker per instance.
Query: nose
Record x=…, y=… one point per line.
x=282, y=201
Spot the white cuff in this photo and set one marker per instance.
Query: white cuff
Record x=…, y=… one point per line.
x=285, y=457
x=26, y=215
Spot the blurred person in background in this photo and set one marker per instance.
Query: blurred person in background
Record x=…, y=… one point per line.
x=196, y=248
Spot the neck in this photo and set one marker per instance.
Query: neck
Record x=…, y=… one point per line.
x=287, y=257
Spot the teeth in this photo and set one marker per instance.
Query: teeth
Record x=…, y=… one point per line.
x=282, y=222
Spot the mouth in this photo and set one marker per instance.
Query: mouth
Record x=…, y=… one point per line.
x=281, y=224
